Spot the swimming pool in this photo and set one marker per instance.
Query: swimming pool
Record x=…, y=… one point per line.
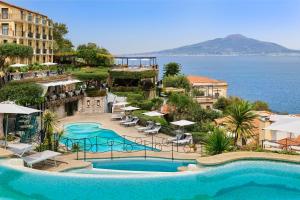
x=98, y=139
x=140, y=164
x=246, y=180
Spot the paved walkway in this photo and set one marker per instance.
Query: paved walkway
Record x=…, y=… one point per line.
x=246, y=155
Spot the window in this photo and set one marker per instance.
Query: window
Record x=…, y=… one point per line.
x=88, y=103
x=98, y=102
x=4, y=29
x=4, y=12
x=4, y=41
x=29, y=17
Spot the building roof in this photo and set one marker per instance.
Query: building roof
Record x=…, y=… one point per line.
x=11, y=5
x=194, y=80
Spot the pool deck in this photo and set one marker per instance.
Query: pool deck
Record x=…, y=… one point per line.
x=246, y=155
x=4, y=153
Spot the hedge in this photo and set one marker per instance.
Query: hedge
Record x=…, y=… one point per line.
x=88, y=74
x=144, y=118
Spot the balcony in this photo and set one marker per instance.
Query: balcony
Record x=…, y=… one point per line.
x=38, y=36
x=30, y=34
x=44, y=37
x=44, y=51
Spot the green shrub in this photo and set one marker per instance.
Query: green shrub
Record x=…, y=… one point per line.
x=217, y=142
x=133, y=74
x=178, y=81
x=90, y=74
x=95, y=92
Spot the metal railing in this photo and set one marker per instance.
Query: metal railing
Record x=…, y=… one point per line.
x=285, y=144
x=123, y=144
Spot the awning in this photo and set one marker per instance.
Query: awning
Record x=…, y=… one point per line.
x=18, y=65
x=9, y=107
x=153, y=114
x=183, y=123
x=130, y=108
x=49, y=64
x=52, y=84
x=291, y=125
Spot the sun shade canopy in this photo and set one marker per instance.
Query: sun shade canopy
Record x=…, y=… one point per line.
x=183, y=123
x=9, y=107
x=18, y=65
x=52, y=84
x=153, y=114
x=130, y=108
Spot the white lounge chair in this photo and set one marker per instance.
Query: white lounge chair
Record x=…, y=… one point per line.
x=19, y=149
x=117, y=116
x=178, y=136
x=39, y=157
x=154, y=130
x=132, y=123
x=295, y=148
x=272, y=146
x=188, y=139
x=148, y=127
x=127, y=119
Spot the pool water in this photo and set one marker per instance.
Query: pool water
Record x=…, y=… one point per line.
x=106, y=140
x=243, y=180
x=138, y=164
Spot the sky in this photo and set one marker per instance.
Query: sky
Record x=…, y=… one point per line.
x=136, y=26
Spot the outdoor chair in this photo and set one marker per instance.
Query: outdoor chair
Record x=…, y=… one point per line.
x=39, y=157
x=154, y=130
x=132, y=123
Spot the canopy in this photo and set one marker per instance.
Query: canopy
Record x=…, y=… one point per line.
x=121, y=103
x=49, y=64
x=9, y=107
x=182, y=123
x=153, y=114
x=68, y=82
x=18, y=65
x=130, y=108
x=291, y=125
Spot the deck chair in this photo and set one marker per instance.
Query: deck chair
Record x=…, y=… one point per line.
x=39, y=157
x=149, y=126
x=117, y=116
x=127, y=119
x=188, y=139
x=132, y=123
x=19, y=149
x=154, y=130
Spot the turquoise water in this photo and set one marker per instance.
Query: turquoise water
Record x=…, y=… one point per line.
x=274, y=79
x=246, y=180
x=105, y=139
x=154, y=165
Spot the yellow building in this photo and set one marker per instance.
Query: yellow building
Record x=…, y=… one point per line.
x=29, y=28
x=206, y=90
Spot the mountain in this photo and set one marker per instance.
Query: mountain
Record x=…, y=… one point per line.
x=235, y=44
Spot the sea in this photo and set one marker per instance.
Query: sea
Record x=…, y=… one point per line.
x=273, y=79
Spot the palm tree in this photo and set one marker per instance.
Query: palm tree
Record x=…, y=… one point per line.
x=241, y=118
x=217, y=142
x=50, y=122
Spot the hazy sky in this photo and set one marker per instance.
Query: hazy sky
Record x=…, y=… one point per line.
x=130, y=26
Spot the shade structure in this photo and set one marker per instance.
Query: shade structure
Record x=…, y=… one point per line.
x=121, y=103
x=9, y=107
x=68, y=82
x=49, y=64
x=153, y=114
x=18, y=65
x=183, y=123
x=130, y=108
x=289, y=125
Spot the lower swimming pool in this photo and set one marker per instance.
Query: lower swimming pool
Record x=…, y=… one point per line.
x=98, y=139
x=242, y=180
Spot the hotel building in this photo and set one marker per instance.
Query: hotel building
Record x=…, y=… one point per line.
x=22, y=26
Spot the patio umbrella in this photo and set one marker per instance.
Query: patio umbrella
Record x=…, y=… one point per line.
x=183, y=123
x=18, y=65
x=153, y=114
x=121, y=103
x=130, y=108
x=9, y=107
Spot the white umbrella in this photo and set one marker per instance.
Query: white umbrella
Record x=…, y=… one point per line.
x=49, y=64
x=18, y=65
x=182, y=123
x=130, y=108
x=9, y=107
x=153, y=114
x=121, y=103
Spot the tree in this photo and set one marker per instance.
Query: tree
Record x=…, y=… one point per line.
x=181, y=103
x=22, y=93
x=94, y=55
x=241, y=118
x=222, y=103
x=261, y=106
x=12, y=50
x=177, y=81
x=172, y=69
x=217, y=142
x=61, y=43
x=50, y=122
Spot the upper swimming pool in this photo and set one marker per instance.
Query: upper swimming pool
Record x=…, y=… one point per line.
x=246, y=180
x=98, y=139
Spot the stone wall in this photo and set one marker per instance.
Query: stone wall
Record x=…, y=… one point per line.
x=91, y=105
x=59, y=110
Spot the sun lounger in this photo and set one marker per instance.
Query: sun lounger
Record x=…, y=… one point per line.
x=148, y=127
x=154, y=130
x=19, y=149
x=188, y=139
x=39, y=157
x=127, y=119
x=132, y=123
x=272, y=146
x=295, y=148
x=177, y=137
x=117, y=116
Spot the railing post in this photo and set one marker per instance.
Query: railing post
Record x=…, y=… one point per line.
x=177, y=144
x=172, y=151
x=84, y=152
x=111, y=151
x=124, y=141
x=152, y=142
x=67, y=143
x=145, y=149
x=77, y=149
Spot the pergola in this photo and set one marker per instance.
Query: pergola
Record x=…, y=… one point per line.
x=123, y=60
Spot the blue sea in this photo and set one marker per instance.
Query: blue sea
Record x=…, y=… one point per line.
x=274, y=79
